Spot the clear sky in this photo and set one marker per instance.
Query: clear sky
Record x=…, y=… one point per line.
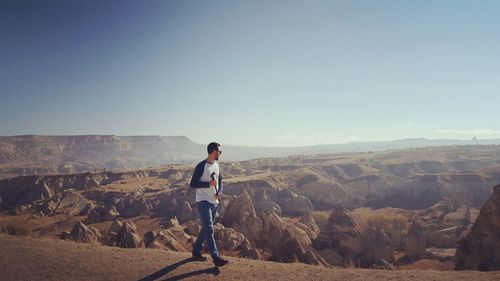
x=251, y=72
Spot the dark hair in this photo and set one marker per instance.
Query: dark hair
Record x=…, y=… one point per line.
x=212, y=146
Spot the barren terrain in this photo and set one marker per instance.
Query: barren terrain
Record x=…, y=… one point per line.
x=25, y=258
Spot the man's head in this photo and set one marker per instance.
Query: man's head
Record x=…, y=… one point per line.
x=214, y=150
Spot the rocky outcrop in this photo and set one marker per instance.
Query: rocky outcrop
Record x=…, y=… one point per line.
x=293, y=204
x=68, y=202
x=341, y=235
x=19, y=191
x=263, y=204
x=415, y=243
x=165, y=240
x=377, y=248
x=192, y=228
x=115, y=226
x=185, y=213
x=47, y=207
x=174, y=239
x=323, y=191
x=309, y=221
x=101, y=213
x=241, y=216
x=112, y=234
x=83, y=233
x=149, y=240
x=479, y=249
x=128, y=237
x=172, y=223
x=311, y=234
x=24, y=190
x=73, y=203
x=285, y=241
x=132, y=206
x=274, y=228
x=166, y=204
x=223, y=204
x=230, y=240
x=267, y=207
x=292, y=249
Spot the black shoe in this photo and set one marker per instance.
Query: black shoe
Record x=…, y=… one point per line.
x=198, y=257
x=220, y=261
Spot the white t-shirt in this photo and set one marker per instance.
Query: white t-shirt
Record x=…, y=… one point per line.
x=208, y=194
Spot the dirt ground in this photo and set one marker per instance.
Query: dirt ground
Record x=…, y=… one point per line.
x=28, y=258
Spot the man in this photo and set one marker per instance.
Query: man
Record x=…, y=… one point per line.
x=208, y=183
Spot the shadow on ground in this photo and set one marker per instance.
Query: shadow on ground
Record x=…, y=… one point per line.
x=157, y=275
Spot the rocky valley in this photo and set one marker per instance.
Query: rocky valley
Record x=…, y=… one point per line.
x=394, y=210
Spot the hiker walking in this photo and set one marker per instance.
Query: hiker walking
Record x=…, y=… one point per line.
x=207, y=181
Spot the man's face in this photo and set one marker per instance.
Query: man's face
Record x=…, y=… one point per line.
x=218, y=152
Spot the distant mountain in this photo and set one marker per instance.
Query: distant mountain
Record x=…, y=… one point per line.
x=391, y=145
x=38, y=154
x=33, y=154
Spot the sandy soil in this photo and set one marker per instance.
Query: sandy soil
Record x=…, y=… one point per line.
x=28, y=258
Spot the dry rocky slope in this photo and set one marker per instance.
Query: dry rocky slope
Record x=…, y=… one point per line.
x=309, y=209
x=26, y=258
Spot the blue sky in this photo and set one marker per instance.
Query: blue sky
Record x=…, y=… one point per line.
x=276, y=73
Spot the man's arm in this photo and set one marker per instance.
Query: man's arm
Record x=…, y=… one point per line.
x=195, y=180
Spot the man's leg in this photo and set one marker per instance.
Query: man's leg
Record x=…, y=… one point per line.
x=218, y=261
x=198, y=244
x=208, y=225
x=207, y=213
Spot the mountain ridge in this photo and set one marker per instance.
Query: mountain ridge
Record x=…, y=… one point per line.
x=45, y=154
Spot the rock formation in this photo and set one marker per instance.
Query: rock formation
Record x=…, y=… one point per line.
x=293, y=249
x=192, y=228
x=415, y=243
x=230, y=240
x=286, y=242
x=128, y=237
x=292, y=204
x=115, y=226
x=149, y=240
x=73, y=203
x=241, y=216
x=112, y=234
x=132, y=206
x=185, y=213
x=341, y=235
x=309, y=221
x=479, y=249
x=82, y=233
x=377, y=246
x=102, y=213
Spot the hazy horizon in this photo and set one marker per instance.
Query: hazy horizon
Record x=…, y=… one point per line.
x=447, y=142
x=259, y=73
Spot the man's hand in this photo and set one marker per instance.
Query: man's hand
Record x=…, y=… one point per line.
x=219, y=196
x=213, y=183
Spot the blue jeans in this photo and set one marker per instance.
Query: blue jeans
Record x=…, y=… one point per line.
x=207, y=212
